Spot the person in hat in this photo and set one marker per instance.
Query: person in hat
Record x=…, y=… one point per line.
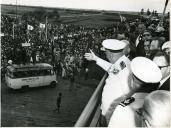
x=145, y=78
x=155, y=46
x=118, y=68
x=163, y=62
x=166, y=48
x=9, y=62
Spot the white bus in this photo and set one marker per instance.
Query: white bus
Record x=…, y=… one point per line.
x=30, y=75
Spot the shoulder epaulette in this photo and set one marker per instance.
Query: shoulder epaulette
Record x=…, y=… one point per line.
x=122, y=65
x=127, y=101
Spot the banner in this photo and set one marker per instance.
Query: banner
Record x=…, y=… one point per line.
x=29, y=27
x=2, y=34
x=42, y=25
x=122, y=18
x=26, y=44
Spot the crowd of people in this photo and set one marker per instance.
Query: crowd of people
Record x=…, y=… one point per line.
x=62, y=45
x=141, y=43
x=138, y=66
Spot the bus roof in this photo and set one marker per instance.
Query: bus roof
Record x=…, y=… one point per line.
x=30, y=66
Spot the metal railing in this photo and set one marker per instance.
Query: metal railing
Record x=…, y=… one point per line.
x=91, y=112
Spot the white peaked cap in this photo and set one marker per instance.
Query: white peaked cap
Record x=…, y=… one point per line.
x=9, y=61
x=160, y=29
x=165, y=45
x=126, y=41
x=146, y=70
x=113, y=44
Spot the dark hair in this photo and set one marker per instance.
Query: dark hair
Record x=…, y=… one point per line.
x=147, y=30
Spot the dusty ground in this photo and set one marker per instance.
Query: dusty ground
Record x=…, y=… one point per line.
x=35, y=106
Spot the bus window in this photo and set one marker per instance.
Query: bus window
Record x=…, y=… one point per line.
x=32, y=73
x=41, y=73
x=22, y=74
x=9, y=74
x=17, y=74
x=52, y=72
x=47, y=72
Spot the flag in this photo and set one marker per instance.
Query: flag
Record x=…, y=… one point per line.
x=56, y=37
x=26, y=44
x=42, y=25
x=122, y=18
x=2, y=34
x=29, y=27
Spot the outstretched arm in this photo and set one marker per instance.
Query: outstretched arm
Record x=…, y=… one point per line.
x=102, y=63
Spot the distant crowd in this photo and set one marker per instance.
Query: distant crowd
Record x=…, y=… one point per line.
x=63, y=45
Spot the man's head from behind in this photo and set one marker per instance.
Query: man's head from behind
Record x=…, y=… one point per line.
x=156, y=109
x=144, y=72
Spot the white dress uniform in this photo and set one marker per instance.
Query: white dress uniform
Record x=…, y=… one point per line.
x=126, y=116
x=117, y=81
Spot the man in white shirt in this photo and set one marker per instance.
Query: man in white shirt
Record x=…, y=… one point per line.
x=163, y=62
x=146, y=75
x=118, y=68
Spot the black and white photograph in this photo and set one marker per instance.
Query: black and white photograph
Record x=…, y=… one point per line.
x=85, y=63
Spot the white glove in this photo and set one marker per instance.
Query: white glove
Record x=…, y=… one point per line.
x=90, y=56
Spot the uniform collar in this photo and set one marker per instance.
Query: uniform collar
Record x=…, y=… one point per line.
x=163, y=80
x=139, y=95
x=116, y=66
x=123, y=58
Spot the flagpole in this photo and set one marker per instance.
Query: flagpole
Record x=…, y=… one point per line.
x=164, y=10
x=16, y=9
x=13, y=30
x=27, y=33
x=53, y=47
x=46, y=29
x=40, y=34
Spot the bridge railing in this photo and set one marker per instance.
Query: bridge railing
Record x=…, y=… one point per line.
x=91, y=113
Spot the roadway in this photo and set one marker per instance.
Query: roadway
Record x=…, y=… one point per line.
x=34, y=107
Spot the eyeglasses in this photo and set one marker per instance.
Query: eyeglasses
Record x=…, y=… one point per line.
x=163, y=66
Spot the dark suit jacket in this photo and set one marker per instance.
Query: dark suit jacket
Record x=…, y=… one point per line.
x=140, y=48
x=166, y=85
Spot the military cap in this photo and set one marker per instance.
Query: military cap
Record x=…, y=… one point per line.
x=113, y=44
x=9, y=61
x=146, y=70
x=160, y=29
x=165, y=45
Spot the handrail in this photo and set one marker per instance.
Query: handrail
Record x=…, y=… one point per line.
x=91, y=105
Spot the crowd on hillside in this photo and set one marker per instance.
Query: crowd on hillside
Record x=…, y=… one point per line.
x=63, y=45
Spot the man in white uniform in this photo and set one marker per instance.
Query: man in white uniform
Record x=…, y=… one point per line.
x=116, y=86
x=146, y=75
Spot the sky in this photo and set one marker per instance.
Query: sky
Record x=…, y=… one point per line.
x=116, y=5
